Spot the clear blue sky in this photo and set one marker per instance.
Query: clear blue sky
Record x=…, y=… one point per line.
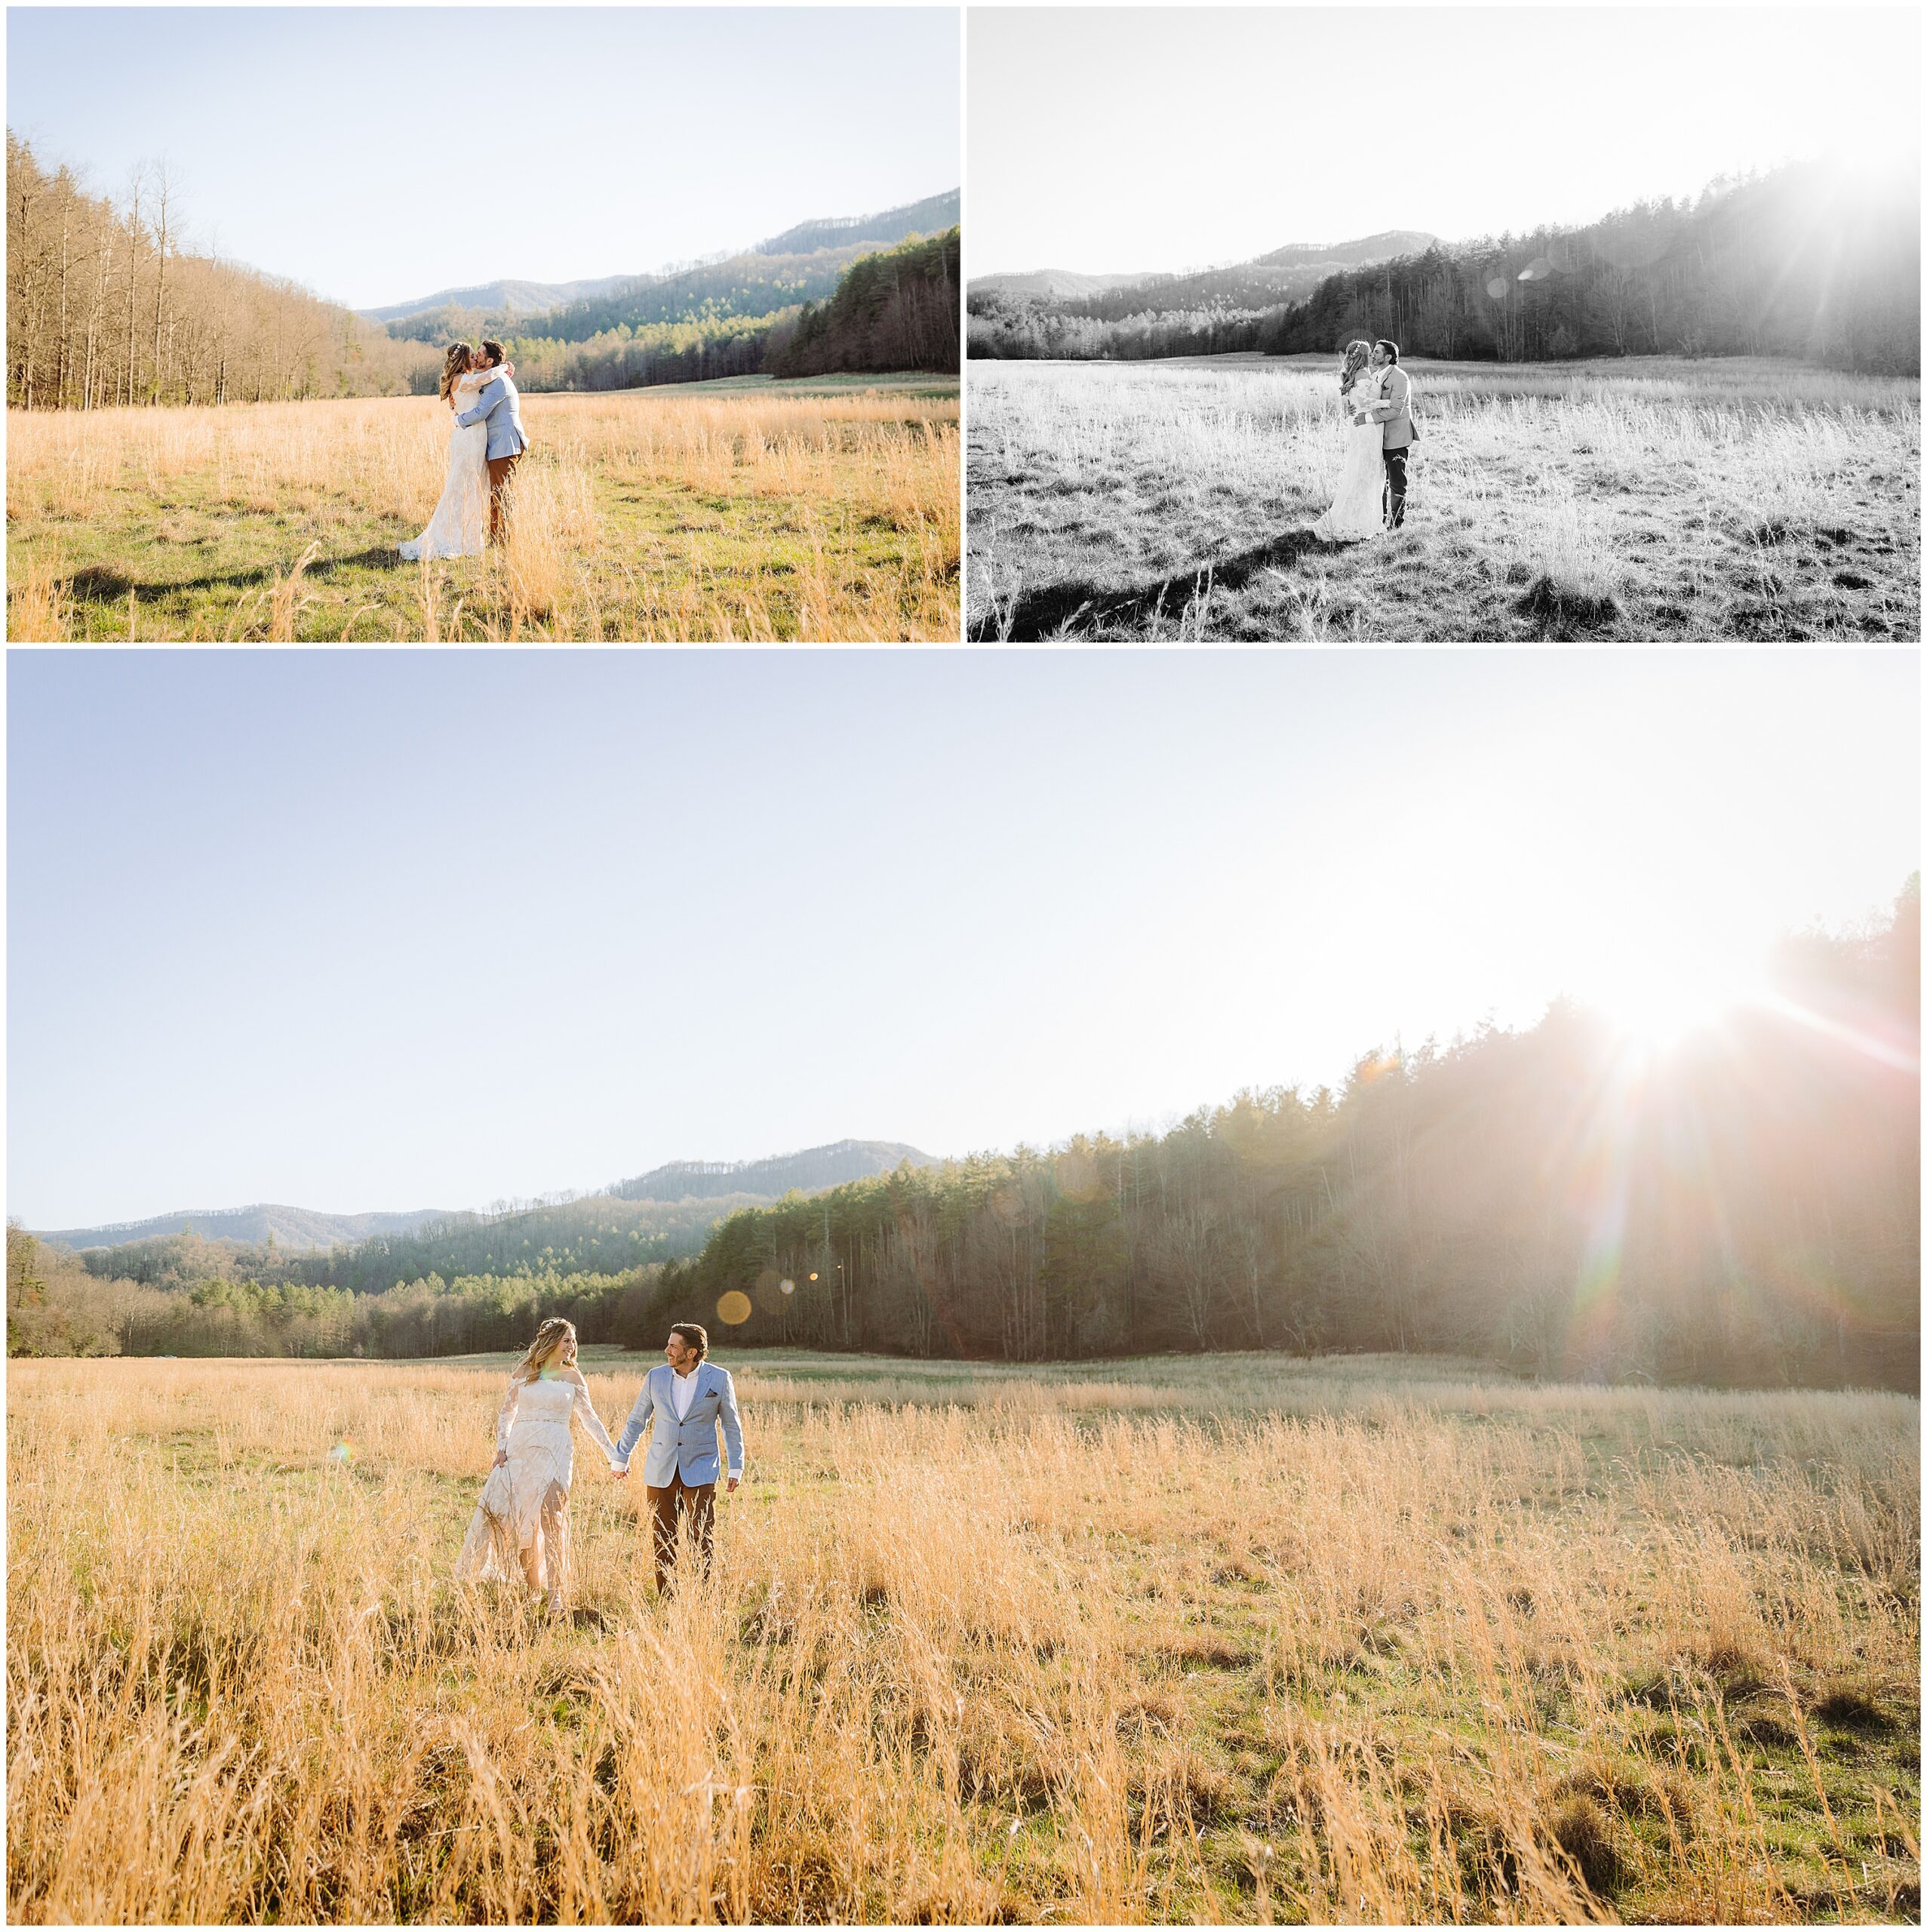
x=1115, y=140
x=361, y=930
x=351, y=148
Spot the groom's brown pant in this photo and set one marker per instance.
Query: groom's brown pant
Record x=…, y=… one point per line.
x=699, y=1499
x=499, y=467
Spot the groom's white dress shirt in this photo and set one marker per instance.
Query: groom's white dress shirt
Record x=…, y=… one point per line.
x=683, y=1393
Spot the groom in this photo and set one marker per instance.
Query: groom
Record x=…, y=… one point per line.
x=501, y=406
x=1393, y=409
x=686, y=1399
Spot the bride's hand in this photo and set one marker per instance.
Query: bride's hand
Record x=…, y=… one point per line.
x=501, y=1456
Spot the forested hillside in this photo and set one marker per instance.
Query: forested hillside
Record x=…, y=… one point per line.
x=804, y=264
x=1746, y=1211
x=107, y=306
x=1809, y=261
x=894, y=310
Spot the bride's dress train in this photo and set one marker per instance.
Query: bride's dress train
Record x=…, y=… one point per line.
x=459, y=526
x=524, y=1504
x=1358, y=505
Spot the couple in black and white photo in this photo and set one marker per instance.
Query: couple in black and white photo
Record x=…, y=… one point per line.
x=1376, y=396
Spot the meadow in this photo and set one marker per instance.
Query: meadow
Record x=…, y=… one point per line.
x=743, y=509
x=1650, y=499
x=1236, y=1638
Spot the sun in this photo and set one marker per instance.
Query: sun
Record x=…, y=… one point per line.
x=1653, y=1004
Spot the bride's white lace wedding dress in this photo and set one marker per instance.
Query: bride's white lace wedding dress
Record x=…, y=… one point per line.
x=1358, y=504
x=524, y=1505
x=459, y=526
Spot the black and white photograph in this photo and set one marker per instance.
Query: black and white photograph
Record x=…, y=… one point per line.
x=1447, y=323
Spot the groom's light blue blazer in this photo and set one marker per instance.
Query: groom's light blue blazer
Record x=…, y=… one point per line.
x=687, y=1447
x=499, y=403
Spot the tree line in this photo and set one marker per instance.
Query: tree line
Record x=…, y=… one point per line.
x=626, y=358
x=1745, y=1211
x=1806, y=261
x=107, y=307
x=56, y=1306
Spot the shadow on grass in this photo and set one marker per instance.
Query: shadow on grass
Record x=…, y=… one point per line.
x=104, y=586
x=1039, y=614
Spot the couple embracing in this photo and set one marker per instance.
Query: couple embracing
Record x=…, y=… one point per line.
x=520, y=1527
x=484, y=447
x=1376, y=395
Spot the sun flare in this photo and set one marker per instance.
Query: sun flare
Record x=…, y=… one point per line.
x=1655, y=1003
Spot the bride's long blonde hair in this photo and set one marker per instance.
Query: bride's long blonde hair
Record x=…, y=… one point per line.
x=548, y=1338
x=457, y=362
x=1356, y=355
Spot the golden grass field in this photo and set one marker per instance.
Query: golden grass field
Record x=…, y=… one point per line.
x=824, y=510
x=1231, y=1637
x=1648, y=499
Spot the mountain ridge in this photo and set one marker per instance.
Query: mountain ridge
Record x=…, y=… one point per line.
x=1285, y=274
x=298, y=1229
x=826, y=242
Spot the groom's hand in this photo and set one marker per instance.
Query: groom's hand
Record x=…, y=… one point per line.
x=733, y=1481
x=619, y=1474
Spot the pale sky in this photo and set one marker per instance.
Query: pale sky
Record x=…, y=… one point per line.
x=1116, y=139
x=400, y=929
x=352, y=148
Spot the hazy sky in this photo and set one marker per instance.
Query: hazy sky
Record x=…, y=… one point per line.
x=361, y=930
x=352, y=148
x=1122, y=139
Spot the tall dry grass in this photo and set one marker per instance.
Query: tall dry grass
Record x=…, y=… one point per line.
x=1490, y=1653
x=844, y=462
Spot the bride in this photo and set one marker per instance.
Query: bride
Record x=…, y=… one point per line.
x=1358, y=507
x=459, y=526
x=521, y=1524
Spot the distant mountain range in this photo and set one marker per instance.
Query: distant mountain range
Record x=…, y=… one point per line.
x=800, y=265
x=1054, y=284
x=500, y=298
x=295, y=1229
x=1289, y=274
x=290, y=1228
